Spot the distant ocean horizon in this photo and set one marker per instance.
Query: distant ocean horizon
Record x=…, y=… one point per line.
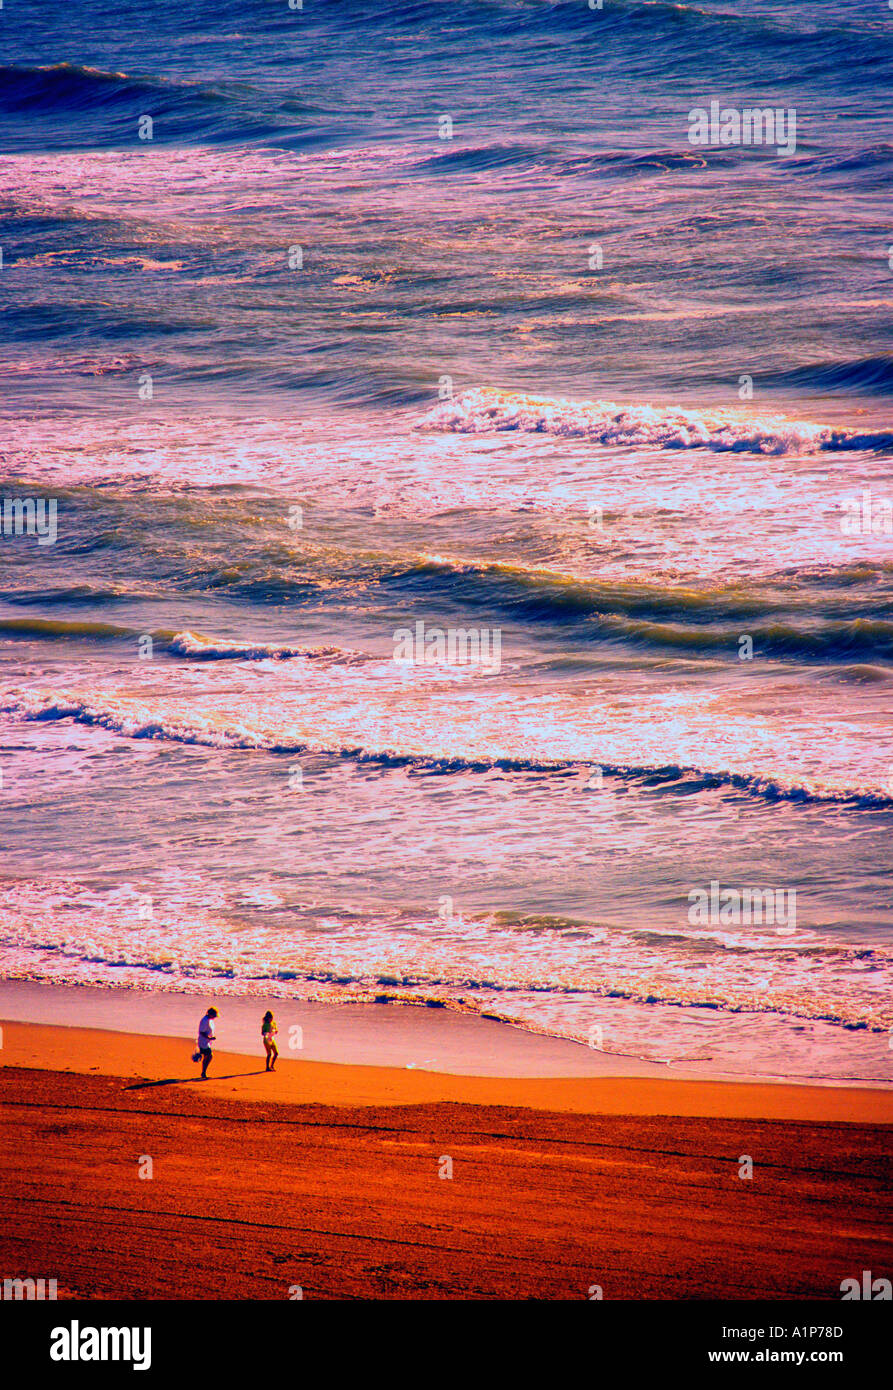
x=332, y=324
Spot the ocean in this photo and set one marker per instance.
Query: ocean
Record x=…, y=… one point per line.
x=447, y=515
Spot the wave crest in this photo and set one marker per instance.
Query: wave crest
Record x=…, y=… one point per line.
x=486, y=411
x=134, y=720
x=197, y=648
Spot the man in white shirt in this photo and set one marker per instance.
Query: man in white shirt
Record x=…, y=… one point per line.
x=206, y=1035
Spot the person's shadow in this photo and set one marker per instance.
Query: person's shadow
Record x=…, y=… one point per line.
x=190, y=1080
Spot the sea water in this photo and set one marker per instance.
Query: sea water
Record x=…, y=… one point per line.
x=330, y=325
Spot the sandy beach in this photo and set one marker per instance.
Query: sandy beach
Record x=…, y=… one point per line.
x=327, y=1178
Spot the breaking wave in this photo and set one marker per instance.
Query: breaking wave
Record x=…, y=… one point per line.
x=189, y=645
x=487, y=411
x=135, y=722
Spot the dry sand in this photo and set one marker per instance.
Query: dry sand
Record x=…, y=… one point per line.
x=327, y=1177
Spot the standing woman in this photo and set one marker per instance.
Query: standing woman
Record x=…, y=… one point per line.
x=268, y=1031
x=206, y=1035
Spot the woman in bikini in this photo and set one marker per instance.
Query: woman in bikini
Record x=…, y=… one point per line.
x=268, y=1032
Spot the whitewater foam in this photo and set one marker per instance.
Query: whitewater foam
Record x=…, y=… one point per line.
x=224, y=726
x=198, y=648
x=484, y=411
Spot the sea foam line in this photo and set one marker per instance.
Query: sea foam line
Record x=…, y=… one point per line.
x=136, y=724
x=484, y=410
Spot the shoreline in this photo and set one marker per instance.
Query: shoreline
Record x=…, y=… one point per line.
x=392, y=1034
x=156, y=1063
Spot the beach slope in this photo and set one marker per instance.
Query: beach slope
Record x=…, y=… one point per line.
x=125, y=1178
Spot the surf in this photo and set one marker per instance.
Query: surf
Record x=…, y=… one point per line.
x=486, y=410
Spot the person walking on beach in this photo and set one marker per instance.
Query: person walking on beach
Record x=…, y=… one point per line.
x=206, y=1035
x=268, y=1030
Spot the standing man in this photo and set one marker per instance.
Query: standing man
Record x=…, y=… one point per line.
x=206, y=1035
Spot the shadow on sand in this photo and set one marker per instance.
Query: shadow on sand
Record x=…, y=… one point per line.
x=191, y=1080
